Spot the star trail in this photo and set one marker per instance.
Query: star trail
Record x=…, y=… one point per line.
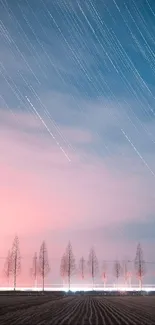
x=77, y=122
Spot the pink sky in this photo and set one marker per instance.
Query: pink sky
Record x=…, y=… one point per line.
x=43, y=196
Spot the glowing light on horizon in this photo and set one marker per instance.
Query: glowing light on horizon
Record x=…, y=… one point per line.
x=147, y=288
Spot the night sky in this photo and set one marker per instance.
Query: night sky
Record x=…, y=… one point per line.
x=77, y=127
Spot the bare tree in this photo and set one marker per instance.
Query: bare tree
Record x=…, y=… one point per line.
x=139, y=264
x=93, y=265
x=7, y=267
x=15, y=260
x=104, y=273
x=70, y=263
x=117, y=270
x=63, y=267
x=82, y=267
x=34, y=270
x=43, y=263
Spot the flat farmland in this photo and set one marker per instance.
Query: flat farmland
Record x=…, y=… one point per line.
x=77, y=310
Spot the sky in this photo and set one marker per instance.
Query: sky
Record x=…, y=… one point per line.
x=77, y=128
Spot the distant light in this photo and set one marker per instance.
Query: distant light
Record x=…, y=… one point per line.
x=73, y=288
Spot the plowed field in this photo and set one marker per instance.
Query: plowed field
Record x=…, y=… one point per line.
x=77, y=310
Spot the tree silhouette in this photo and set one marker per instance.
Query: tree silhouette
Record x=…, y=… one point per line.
x=139, y=264
x=82, y=267
x=43, y=263
x=7, y=267
x=34, y=270
x=104, y=273
x=15, y=260
x=93, y=265
x=63, y=267
x=117, y=270
x=70, y=263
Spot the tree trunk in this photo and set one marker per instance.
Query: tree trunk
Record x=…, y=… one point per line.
x=140, y=283
x=117, y=283
x=69, y=284
x=15, y=272
x=93, y=282
x=14, y=281
x=8, y=282
x=43, y=282
x=35, y=282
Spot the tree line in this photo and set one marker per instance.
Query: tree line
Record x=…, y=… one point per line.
x=69, y=267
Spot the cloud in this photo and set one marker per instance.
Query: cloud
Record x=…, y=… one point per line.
x=47, y=192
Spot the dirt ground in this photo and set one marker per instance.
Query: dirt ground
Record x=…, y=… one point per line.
x=77, y=310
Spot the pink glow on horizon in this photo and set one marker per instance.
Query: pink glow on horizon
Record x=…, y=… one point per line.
x=41, y=192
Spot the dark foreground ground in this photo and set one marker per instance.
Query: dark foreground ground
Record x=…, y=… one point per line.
x=77, y=310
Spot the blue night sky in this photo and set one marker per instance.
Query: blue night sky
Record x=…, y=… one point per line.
x=77, y=124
